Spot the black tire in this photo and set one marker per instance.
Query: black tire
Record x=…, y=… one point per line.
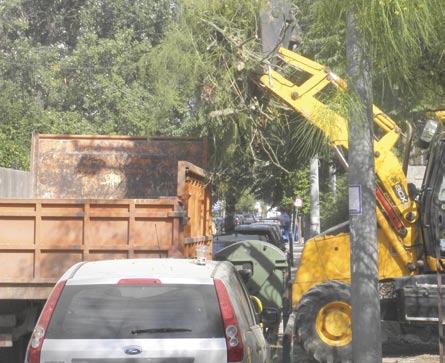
x=305, y=320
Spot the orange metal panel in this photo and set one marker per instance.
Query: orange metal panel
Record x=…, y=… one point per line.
x=154, y=208
x=41, y=238
x=51, y=235
x=16, y=265
x=153, y=234
x=107, y=255
x=195, y=190
x=14, y=208
x=109, y=209
x=53, y=264
x=16, y=230
x=25, y=292
x=62, y=231
x=108, y=232
x=110, y=167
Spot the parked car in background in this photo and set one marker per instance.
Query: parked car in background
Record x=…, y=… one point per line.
x=157, y=310
x=248, y=219
x=283, y=224
x=275, y=220
x=270, y=233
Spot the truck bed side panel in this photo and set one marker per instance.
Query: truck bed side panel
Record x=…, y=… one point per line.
x=40, y=239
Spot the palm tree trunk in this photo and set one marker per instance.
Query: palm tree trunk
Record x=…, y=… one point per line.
x=366, y=340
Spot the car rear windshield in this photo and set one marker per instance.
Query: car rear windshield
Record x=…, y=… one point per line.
x=136, y=312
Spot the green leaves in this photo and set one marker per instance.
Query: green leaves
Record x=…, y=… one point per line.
x=146, y=19
x=400, y=31
x=406, y=39
x=18, y=116
x=191, y=68
x=75, y=67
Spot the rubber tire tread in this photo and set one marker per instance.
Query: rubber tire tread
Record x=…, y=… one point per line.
x=305, y=317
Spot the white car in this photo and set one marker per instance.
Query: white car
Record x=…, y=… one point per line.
x=148, y=311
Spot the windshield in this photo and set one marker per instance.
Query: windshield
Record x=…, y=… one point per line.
x=136, y=312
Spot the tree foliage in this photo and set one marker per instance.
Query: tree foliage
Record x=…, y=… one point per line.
x=246, y=203
x=191, y=68
x=75, y=67
x=407, y=39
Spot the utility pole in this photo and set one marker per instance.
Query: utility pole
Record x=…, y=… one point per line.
x=315, y=197
x=298, y=203
x=333, y=181
x=366, y=340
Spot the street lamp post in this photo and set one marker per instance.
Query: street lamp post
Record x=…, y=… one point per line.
x=296, y=226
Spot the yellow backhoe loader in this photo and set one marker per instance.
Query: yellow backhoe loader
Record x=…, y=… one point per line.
x=411, y=225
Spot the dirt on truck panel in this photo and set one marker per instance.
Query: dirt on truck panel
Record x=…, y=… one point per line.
x=110, y=167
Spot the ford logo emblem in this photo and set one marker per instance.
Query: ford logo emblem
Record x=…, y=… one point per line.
x=133, y=350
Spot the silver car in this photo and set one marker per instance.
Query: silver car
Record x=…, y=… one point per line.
x=148, y=311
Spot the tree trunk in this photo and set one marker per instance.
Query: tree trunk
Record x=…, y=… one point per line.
x=276, y=25
x=366, y=340
x=315, y=197
x=230, y=199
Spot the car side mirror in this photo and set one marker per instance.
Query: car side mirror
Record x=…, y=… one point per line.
x=270, y=316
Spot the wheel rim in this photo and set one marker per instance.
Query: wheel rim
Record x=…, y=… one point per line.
x=333, y=324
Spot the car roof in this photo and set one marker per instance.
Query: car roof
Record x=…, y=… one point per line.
x=269, y=221
x=239, y=237
x=168, y=270
x=254, y=227
x=257, y=228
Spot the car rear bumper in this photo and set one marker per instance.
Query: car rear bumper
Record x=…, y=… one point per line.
x=147, y=350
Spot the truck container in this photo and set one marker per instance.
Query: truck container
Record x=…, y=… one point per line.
x=96, y=197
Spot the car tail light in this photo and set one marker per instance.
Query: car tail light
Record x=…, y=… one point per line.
x=38, y=335
x=139, y=282
x=235, y=348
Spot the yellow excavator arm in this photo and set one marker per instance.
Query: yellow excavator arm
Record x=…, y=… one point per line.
x=302, y=97
x=396, y=213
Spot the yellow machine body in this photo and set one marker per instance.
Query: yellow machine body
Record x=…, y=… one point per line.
x=328, y=257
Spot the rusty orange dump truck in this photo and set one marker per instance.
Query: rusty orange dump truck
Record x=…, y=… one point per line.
x=96, y=197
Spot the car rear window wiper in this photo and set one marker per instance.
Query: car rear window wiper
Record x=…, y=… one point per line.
x=159, y=330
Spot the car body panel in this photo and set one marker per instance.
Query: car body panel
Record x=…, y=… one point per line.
x=173, y=348
x=132, y=268
x=255, y=345
x=86, y=350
